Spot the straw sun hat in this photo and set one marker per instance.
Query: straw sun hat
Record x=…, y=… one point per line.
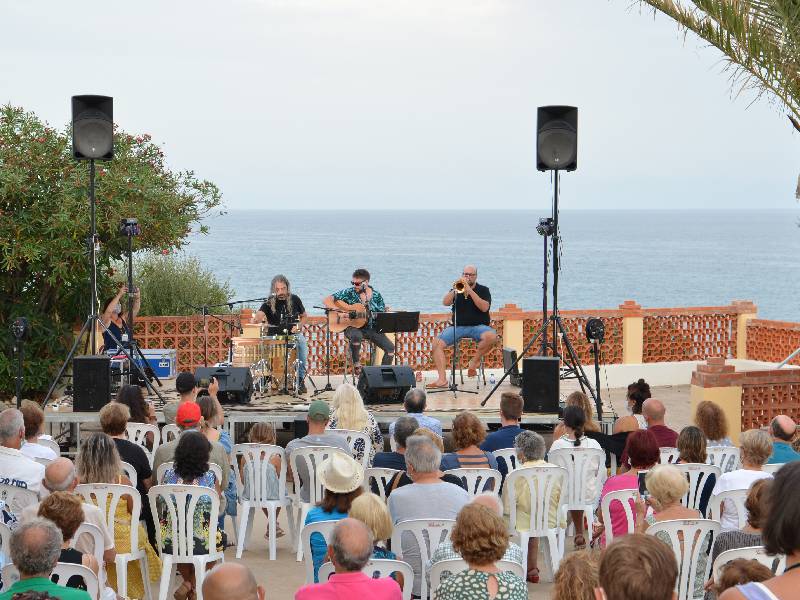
x=340, y=473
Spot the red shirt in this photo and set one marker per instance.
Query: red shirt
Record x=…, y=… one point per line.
x=351, y=585
x=666, y=438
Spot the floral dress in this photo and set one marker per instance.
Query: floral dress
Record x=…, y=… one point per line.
x=372, y=430
x=202, y=514
x=471, y=585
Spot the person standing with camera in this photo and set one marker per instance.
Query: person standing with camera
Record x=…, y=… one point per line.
x=115, y=320
x=472, y=303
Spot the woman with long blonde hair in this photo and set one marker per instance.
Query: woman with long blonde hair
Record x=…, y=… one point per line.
x=348, y=412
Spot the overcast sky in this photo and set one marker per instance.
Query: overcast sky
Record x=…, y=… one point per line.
x=409, y=103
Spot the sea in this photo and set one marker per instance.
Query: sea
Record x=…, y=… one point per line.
x=659, y=258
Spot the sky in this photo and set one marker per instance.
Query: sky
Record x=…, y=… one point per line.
x=418, y=104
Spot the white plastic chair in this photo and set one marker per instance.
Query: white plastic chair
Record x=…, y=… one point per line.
x=352, y=437
x=428, y=534
x=776, y=564
x=170, y=432
x=325, y=529
x=5, y=540
x=309, y=457
x=10, y=576
x=162, y=468
x=107, y=497
x=478, y=480
x=382, y=477
x=625, y=499
x=130, y=472
x=48, y=443
x=137, y=433
x=179, y=503
x=542, y=484
x=772, y=468
x=457, y=565
x=689, y=539
x=700, y=477
x=379, y=567
x=43, y=461
x=98, y=542
x=63, y=571
x=17, y=498
x=583, y=465
x=668, y=455
x=724, y=457
x=509, y=457
x=255, y=463
x=730, y=500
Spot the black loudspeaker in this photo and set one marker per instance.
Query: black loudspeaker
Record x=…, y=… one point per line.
x=235, y=383
x=557, y=138
x=540, y=381
x=385, y=384
x=93, y=127
x=91, y=383
x=511, y=366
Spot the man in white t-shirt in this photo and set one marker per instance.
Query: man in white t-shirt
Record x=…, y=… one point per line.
x=15, y=468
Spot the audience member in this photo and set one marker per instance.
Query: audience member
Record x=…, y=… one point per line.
x=61, y=476
x=781, y=535
x=318, y=435
x=264, y=433
x=740, y=571
x=35, y=549
x=404, y=479
x=404, y=427
x=511, y=405
x=468, y=432
x=710, y=418
x=638, y=392
x=350, y=551
x=341, y=476
x=212, y=427
x=574, y=422
x=373, y=512
x=414, y=402
x=530, y=449
x=578, y=398
x=691, y=445
x=654, y=412
x=33, y=418
x=643, y=452
x=428, y=497
x=98, y=462
x=755, y=449
x=141, y=411
x=783, y=430
x=186, y=386
x=577, y=576
x=17, y=469
x=232, y=581
x=481, y=539
x=348, y=412
x=637, y=567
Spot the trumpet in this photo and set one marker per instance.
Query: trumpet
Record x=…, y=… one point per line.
x=460, y=287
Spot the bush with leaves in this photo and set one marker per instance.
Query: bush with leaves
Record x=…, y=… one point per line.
x=44, y=225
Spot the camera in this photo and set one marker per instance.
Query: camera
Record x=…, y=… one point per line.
x=129, y=227
x=546, y=226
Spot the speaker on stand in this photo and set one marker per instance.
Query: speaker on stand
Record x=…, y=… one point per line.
x=91, y=383
x=540, y=384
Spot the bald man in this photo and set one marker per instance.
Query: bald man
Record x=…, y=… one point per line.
x=654, y=412
x=782, y=429
x=232, y=581
x=471, y=321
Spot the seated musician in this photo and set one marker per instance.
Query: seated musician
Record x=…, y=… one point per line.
x=285, y=313
x=115, y=320
x=471, y=320
x=361, y=292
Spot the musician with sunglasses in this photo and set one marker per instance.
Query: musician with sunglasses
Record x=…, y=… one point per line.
x=472, y=305
x=361, y=292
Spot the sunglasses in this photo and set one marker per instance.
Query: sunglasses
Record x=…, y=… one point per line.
x=357, y=283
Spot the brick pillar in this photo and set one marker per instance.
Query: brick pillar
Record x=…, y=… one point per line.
x=747, y=310
x=632, y=332
x=512, y=327
x=717, y=382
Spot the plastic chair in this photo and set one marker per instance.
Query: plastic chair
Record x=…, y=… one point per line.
x=10, y=576
x=772, y=467
x=428, y=534
x=583, y=465
x=478, y=480
x=353, y=436
x=382, y=477
x=93, y=531
x=625, y=498
x=130, y=472
x=42, y=461
x=542, y=484
x=107, y=497
x=668, y=455
x=325, y=529
x=689, y=539
x=509, y=457
x=309, y=458
x=5, y=540
x=379, y=567
x=52, y=444
x=170, y=432
x=724, y=457
x=731, y=500
x=253, y=469
x=17, y=498
x=63, y=571
x=179, y=503
x=776, y=564
x=137, y=433
x=700, y=476
x=162, y=468
x=447, y=568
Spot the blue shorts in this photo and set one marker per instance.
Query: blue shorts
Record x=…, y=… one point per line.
x=450, y=335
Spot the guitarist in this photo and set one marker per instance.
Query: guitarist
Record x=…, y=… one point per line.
x=361, y=292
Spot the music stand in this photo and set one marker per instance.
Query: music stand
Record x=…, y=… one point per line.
x=396, y=322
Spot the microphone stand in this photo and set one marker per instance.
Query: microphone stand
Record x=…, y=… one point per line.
x=328, y=387
x=453, y=387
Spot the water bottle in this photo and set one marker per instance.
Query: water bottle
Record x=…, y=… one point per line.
x=491, y=379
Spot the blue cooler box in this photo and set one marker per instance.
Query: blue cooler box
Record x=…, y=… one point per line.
x=162, y=360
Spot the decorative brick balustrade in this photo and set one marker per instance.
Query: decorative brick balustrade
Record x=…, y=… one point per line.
x=574, y=322
x=677, y=334
x=772, y=341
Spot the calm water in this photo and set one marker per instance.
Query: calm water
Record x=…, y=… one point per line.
x=658, y=258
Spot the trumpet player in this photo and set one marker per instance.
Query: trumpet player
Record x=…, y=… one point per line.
x=471, y=320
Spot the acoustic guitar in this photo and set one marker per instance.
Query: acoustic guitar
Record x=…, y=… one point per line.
x=348, y=315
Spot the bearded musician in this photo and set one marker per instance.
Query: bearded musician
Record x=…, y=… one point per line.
x=284, y=313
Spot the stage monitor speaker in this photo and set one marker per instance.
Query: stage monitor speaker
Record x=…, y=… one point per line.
x=385, y=384
x=91, y=383
x=540, y=381
x=557, y=138
x=235, y=383
x=511, y=366
x=93, y=127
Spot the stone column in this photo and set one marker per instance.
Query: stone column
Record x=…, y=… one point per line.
x=719, y=383
x=632, y=332
x=747, y=310
x=513, y=334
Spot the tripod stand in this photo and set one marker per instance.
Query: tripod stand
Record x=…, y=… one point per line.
x=453, y=387
x=328, y=387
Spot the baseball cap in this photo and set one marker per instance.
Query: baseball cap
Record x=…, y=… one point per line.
x=185, y=382
x=188, y=414
x=319, y=410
